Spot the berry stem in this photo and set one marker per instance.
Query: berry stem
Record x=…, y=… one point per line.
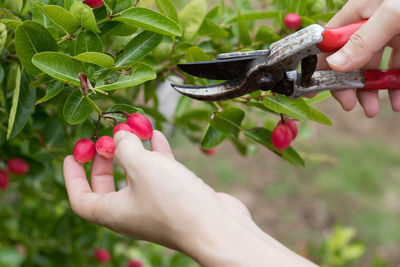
x=117, y=112
x=283, y=119
x=97, y=128
x=111, y=118
x=96, y=107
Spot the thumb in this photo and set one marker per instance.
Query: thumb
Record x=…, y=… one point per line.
x=368, y=40
x=129, y=150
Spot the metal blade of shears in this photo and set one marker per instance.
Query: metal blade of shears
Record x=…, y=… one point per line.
x=224, y=69
x=217, y=92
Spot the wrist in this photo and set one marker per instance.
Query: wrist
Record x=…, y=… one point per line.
x=225, y=242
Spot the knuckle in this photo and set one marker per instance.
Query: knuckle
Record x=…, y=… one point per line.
x=357, y=42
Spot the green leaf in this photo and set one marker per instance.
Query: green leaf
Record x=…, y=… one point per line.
x=125, y=108
x=257, y=15
x=266, y=35
x=88, y=41
x=263, y=137
x=196, y=54
x=306, y=21
x=11, y=23
x=228, y=121
x=59, y=66
x=319, y=97
x=32, y=38
x=77, y=108
x=150, y=20
x=212, y=138
x=143, y=74
x=243, y=5
x=138, y=48
x=211, y=29
x=117, y=28
x=244, y=35
x=167, y=8
x=282, y=104
x=191, y=17
x=3, y=36
x=85, y=16
x=14, y=5
x=97, y=58
x=23, y=103
x=52, y=90
x=10, y=256
x=325, y=17
x=64, y=19
x=318, y=116
x=295, y=108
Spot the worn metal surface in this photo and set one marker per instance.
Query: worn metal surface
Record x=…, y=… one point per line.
x=228, y=90
x=326, y=80
x=256, y=53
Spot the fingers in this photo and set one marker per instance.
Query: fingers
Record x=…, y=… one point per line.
x=129, y=151
x=160, y=144
x=369, y=39
x=394, y=95
x=354, y=11
x=347, y=98
x=369, y=100
x=80, y=195
x=102, y=175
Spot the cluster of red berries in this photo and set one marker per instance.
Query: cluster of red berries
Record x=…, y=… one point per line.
x=94, y=3
x=292, y=21
x=284, y=133
x=16, y=166
x=85, y=149
x=102, y=255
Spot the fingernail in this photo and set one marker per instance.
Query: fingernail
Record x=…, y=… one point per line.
x=338, y=59
x=119, y=136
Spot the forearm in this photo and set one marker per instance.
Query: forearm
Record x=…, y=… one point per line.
x=232, y=244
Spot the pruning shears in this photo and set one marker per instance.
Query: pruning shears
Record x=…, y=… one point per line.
x=276, y=69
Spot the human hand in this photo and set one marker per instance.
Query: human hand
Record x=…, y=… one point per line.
x=167, y=204
x=365, y=49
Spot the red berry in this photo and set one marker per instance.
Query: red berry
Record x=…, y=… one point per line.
x=84, y=150
x=122, y=127
x=105, y=147
x=210, y=152
x=292, y=21
x=102, y=255
x=18, y=166
x=4, y=180
x=281, y=137
x=141, y=126
x=292, y=126
x=134, y=263
x=94, y=3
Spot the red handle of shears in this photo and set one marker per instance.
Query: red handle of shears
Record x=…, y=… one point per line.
x=336, y=38
x=381, y=79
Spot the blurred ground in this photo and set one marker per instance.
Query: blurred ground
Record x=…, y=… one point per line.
x=352, y=178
